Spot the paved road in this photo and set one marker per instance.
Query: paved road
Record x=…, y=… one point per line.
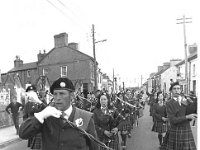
x=142, y=137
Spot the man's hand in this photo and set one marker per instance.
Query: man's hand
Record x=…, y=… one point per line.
x=47, y=112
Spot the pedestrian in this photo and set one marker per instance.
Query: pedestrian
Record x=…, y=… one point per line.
x=106, y=123
x=61, y=125
x=160, y=117
x=179, y=136
x=30, y=108
x=14, y=109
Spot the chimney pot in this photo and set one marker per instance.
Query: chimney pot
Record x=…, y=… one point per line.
x=61, y=40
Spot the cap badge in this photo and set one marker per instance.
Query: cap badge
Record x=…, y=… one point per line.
x=62, y=84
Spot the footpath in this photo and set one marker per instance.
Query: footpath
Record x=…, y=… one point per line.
x=8, y=136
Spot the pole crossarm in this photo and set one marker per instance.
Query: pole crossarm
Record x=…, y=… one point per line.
x=183, y=21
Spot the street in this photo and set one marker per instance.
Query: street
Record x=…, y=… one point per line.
x=142, y=136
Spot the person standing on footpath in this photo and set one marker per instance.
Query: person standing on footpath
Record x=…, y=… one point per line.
x=56, y=123
x=15, y=108
x=160, y=117
x=179, y=135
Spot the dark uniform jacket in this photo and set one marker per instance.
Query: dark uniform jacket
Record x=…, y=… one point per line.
x=176, y=113
x=14, y=108
x=159, y=112
x=57, y=135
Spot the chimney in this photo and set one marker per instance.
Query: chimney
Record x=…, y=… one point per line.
x=166, y=64
x=160, y=68
x=74, y=46
x=192, y=49
x=18, y=62
x=40, y=55
x=173, y=62
x=61, y=40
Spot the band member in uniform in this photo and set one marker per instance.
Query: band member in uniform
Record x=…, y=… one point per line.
x=160, y=117
x=106, y=123
x=55, y=123
x=30, y=108
x=179, y=136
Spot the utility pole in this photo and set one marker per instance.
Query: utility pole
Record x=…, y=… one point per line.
x=113, y=81
x=141, y=80
x=183, y=21
x=94, y=55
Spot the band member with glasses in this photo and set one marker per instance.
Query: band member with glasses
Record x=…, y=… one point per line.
x=179, y=135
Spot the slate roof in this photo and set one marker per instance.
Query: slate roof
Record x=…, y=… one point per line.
x=26, y=66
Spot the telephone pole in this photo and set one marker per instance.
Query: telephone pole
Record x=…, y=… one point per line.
x=94, y=55
x=184, y=21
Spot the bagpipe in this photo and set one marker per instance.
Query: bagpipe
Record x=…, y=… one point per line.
x=115, y=118
x=84, y=103
x=33, y=96
x=190, y=101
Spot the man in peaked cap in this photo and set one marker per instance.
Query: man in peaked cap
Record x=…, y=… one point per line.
x=56, y=132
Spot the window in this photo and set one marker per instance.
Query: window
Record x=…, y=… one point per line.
x=194, y=71
x=45, y=71
x=64, y=71
x=28, y=73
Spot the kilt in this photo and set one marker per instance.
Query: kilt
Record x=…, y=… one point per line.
x=113, y=142
x=35, y=142
x=159, y=127
x=126, y=125
x=179, y=138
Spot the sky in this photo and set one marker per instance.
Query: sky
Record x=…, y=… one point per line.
x=141, y=35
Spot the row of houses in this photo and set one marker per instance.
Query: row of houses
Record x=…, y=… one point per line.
x=65, y=59
x=175, y=71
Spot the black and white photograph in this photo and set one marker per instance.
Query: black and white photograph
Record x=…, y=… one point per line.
x=99, y=75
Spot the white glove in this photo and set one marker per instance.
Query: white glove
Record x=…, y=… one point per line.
x=47, y=112
x=33, y=97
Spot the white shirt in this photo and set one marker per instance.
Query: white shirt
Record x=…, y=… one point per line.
x=68, y=112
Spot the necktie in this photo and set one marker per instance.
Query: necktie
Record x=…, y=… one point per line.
x=64, y=117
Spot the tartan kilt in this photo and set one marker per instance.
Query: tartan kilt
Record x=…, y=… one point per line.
x=179, y=138
x=159, y=127
x=113, y=142
x=36, y=142
x=126, y=125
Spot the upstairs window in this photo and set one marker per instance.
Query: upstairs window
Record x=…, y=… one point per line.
x=64, y=71
x=28, y=73
x=44, y=71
